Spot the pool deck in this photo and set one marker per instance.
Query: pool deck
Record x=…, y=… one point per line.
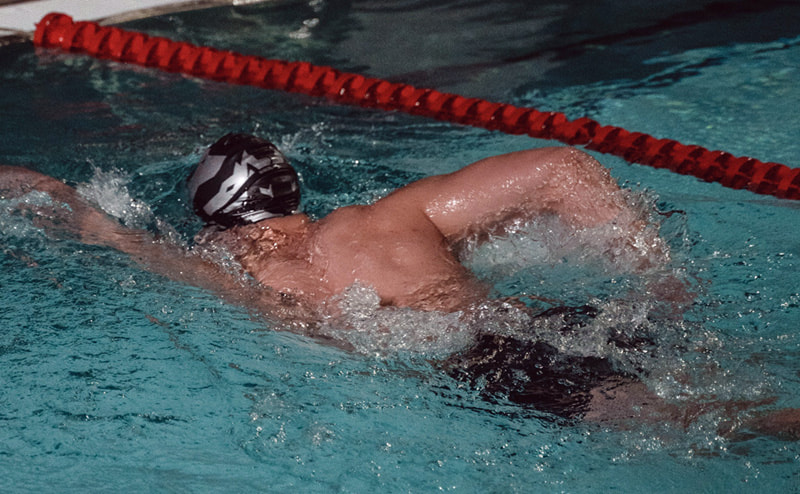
x=20, y=17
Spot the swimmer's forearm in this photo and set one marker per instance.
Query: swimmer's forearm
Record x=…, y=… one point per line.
x=72, y=215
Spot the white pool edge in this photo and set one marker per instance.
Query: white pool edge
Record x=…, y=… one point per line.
x=19, y=19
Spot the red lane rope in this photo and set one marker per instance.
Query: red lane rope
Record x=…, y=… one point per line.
x=60, y=31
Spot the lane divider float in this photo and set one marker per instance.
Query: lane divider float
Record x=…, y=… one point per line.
x=59, y=31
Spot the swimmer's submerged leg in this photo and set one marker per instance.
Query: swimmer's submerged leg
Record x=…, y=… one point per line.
x=624, y=403
x=534, y=374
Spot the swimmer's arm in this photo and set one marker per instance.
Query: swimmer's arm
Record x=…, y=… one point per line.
x=186, y=266
x=71, y=216
x=68, y=215
x=559, y=180
x=562, y=181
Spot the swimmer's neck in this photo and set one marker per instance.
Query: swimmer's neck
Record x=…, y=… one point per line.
x=292, y=226
x=290, y=223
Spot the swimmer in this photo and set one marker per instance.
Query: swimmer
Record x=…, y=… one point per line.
x=403, y=246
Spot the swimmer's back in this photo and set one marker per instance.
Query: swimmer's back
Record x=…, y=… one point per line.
x=397, y=251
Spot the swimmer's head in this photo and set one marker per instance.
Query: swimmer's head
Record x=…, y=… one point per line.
x=243, y=179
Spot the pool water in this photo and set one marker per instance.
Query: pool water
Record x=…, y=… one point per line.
x=114, y=378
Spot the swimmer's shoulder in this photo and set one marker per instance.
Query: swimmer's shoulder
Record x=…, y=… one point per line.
x=349, y=217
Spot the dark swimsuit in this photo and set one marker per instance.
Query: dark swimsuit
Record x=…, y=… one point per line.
x=534, y=373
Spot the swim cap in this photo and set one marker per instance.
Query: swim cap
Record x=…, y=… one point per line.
x=243, y=179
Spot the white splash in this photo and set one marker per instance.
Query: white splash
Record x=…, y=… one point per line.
x=358, y=319
x=109, y=191
x=630, y=243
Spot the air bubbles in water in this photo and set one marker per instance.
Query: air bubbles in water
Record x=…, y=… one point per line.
x=12, y=223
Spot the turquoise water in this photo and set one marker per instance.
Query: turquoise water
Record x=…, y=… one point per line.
x=117, y=379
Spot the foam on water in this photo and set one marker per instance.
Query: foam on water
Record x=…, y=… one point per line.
x=630, y=243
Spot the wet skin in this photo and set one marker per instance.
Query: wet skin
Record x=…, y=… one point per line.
x=405, y=258
x=402, y=246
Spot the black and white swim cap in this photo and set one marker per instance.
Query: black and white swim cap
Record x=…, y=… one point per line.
x=243, y=179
